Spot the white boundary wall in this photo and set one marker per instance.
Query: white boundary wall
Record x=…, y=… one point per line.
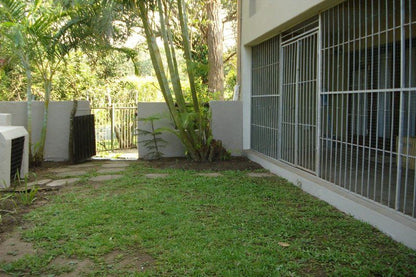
x=57, y=138
x=174, y=147
x=226, y=126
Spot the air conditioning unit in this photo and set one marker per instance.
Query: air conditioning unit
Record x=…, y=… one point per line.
x=14, y=152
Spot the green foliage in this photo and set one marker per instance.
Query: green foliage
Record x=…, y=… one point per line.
x=28, y=195
x=230, y=70
x=155, y=142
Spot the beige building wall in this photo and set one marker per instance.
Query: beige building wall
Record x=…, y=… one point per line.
x=261, y=20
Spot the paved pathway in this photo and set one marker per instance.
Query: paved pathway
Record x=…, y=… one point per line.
x=111, y=170
x=71, y=174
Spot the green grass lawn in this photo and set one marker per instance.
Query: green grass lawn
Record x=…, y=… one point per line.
x=191, y=225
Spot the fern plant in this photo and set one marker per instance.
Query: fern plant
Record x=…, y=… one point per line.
x=153, y=142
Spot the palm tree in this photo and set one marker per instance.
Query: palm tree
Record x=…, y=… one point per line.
x=15, y=24
x=42, y=33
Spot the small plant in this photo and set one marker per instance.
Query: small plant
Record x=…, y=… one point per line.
x=155, y=142
x=28, y=195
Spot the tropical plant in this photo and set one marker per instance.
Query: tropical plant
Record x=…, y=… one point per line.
x=28, y=195
x=192, y=123
x=42, y=33
x=151, y=138
x=16, y=22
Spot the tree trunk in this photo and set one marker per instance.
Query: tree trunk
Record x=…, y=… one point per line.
x=215, y=39
x=26, y=66
x=40, y=153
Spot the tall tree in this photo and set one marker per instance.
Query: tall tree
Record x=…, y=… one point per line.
x=17, y=25
x=42, y=34
x=215, y=40
x=192, y=123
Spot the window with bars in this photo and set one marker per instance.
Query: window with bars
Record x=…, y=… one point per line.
x=368, y=126
x=366, y=113
x=265, y=97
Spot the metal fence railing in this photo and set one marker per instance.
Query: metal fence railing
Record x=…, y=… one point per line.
x=115, y=128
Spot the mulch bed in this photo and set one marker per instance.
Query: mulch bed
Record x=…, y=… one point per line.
x=235, y=163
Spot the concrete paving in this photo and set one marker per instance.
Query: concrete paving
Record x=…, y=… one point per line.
x=101, y=178
x=61, y=169
x=156, y=175
x=110, y=170
x=84, y=165
x=214, y=174
x=71, y=173
x=63, y=182
x=39, y=183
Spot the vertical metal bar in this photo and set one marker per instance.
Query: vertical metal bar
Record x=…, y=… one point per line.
x=342, y=87
x=281, y=98
x=378, y=111
x=297, y=104
x=318, y=99
x=332, y=97
x=359, y=99
x=305, y=92
x=353, y=96
x=392, y=105
x=401, y=108
x=371, y=108
x=112, y=126
x=327, y=95
x=385, y=114
x=347, y=87
x=337, y=88
x=409, y=101
x=412, y=94
x=365, y=99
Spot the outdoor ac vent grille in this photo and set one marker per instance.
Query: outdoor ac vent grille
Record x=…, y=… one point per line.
x=16, y=156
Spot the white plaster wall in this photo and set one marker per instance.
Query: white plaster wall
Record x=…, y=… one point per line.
x=274, y=16
x=227, y=124
x=174, y=147
x=56, y=148
x=5, y=119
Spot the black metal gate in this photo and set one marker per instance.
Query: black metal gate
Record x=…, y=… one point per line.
x=83, y=145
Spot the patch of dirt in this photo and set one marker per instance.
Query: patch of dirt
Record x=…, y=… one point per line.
x=11, y=211
x=235, y=163
x=13, y=248
x=132, y=260
x=74, y=266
